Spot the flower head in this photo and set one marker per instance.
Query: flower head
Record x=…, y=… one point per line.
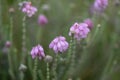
x=100, y=5
x=89, y=23
x=27, y=8
x=42, y=19
x=79, y=31
x=37, y=51
x=59, y=44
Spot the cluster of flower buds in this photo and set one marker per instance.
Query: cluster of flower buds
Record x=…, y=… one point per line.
x=37, y=51
x=27, y=8
x=79, y=31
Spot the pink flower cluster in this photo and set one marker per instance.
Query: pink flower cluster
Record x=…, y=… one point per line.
x=59, y=44
x=37, y=51
x=100, y=5
x=28, y=9
x=79, y=31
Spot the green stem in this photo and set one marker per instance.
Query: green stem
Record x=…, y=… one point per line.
x=48, y=72
x=9, y=54
x=55, y=67
x=70, y=50
x=72, y=65
x=30, y=64
x=21, y=75
x=23, y=45
x=10, y=66
x=35, y=69
x=39, y=34
x=92, y=40
x=107, y=67
x=41, y=75
x=23, y=40
x=11, y=29
x=71, y=59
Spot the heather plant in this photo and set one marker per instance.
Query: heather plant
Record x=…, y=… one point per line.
x=59, y=40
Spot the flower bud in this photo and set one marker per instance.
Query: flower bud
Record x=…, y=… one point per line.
x=8, y=44
x=48, y=58
x=89, y=23
x=42, y=20
x=46, y=7
x=11, y=10
x=22, y=67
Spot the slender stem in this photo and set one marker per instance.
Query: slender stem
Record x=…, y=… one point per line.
x=48, y=72
x=55, y=67
x=35, y=69
x=39, y=34
x=9, y=54
x=11, y=29
x=23, y=45
x=107, y=67
x=72, y=65
x=23, y=39
x=70, y=49
x=94, y=36
x=71, y=58
x=10, y=66
x=21, y=75
x=40, y=74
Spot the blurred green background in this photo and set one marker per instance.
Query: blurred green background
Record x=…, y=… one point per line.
x=101, y=58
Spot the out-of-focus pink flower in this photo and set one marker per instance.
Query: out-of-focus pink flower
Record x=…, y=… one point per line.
x=28, y=9
x=59, y=44
x=42, y=19
x=89, y=23
x=37, y=51
x=8, y=44
x=100, y=5
x=79, y=31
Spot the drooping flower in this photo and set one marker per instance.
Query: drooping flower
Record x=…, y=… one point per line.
x=37, y=51
x=89, y=23
x=27, y=8
x=100, y=5
x=79, y=31
x=42, y=19
x=59, y=44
